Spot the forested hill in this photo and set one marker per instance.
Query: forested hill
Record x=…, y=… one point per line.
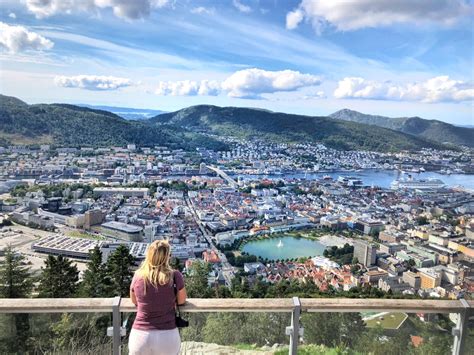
x=429, y=129
x=71, y=125
x=282, y=127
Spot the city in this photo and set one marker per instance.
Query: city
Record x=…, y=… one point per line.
x=238, y=177
x=67, y=201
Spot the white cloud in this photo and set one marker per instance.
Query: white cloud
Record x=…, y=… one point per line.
x=188, y=88
x=201, y=10
x=293, y=19
x=17, y=39
x=438, y=89
x=248, y=83
x=127, y=9
x=241, y=7
x=354, y=15
x=251, y=83
x=92, y=82
x=12, y=15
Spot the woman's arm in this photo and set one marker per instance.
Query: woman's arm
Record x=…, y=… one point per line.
x=181, y=296
x=133, y=298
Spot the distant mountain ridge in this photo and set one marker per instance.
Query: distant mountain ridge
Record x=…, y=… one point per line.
x=283, y=127
x=430, y=129
x=70, y=125
x=195, y=126
x=128, y=113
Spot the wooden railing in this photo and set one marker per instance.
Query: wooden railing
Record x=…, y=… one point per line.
x=293, y=305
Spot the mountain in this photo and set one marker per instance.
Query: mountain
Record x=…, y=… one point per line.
x=127, y=112
x=430, y=129
x=70, y=125
x=282, y=127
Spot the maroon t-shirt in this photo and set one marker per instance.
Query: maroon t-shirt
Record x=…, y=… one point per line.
x=156, y=307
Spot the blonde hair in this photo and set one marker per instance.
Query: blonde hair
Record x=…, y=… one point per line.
x=156, y=269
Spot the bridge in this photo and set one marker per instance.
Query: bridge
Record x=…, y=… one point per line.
x=223, y=175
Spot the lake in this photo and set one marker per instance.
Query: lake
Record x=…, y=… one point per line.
x=292, y=248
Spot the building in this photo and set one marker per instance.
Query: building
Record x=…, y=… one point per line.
x=122, y=230
x=365, y=252
x=137, y=250
x=429, y=278
x=55, y=217
x=373, y=276
x=77, y=248
x=124, y=191
x=210, y=256
x=391, y=248
x=369, y=226
x=76, y=221
x=93, y=218
x=254, y=268
x=394, y=284
x=390, y=237
x=413, y=279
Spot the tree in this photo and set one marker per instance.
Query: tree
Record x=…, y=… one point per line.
x=196, y=280
x=332, y=329
x=411, y=264
x=58, y=278
x=119, y=272
x=94, y=282
x=16, y=282
x=15, y=278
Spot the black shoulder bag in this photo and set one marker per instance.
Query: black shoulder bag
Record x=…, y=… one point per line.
x=180, y=322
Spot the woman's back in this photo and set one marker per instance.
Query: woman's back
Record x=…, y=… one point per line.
x=152, y=290
x=156, y=305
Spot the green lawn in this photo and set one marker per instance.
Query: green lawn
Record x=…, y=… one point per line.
x=387, y=321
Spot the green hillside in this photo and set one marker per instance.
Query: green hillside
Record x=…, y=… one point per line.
x=282, y=127
x=430, y=129
x=71, y=125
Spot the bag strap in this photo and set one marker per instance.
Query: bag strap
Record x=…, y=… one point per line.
x=175, y=292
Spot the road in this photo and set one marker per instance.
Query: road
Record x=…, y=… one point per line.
x=227, y=269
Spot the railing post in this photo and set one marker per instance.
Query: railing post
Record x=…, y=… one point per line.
x=460, y=332
x=294, y=329
x=117, y=326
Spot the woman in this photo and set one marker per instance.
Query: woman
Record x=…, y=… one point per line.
x=153, y=291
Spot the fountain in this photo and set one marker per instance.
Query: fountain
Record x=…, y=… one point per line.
x=280, y=244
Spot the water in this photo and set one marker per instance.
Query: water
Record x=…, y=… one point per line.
x=292, y=248
x=380, y=178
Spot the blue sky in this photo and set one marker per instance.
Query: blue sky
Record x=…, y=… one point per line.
x=390, y=57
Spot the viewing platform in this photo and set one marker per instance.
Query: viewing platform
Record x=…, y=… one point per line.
x=294, y=306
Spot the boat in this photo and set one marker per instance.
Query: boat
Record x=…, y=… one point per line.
x=327, y=177
x=415, y=184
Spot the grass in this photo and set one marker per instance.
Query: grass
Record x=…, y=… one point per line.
x=318, y=350
x=246, y=347
x=78, y=234
x=387, y=321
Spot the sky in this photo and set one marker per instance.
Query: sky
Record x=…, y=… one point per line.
x=389, y=57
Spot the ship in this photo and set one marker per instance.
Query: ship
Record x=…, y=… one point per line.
x=415, y=184
x=350, y=181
